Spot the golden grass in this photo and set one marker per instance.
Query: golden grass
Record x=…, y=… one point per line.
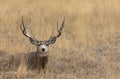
x=89, y=47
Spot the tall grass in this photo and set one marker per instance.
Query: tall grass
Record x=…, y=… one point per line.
x=89, y=47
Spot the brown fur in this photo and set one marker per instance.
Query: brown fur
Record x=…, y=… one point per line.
x=32, y=60
x=2, y=53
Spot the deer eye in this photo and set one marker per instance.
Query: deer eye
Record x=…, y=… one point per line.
x=39, y=44
x=46, y=43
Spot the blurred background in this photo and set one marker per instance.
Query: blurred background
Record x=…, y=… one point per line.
x=89, y=47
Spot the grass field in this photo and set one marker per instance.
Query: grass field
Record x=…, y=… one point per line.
x=89, y=47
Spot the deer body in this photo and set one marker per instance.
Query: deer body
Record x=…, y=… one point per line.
x=10, y=61
x=32, y=61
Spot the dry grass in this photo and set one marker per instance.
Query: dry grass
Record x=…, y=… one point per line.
x=89, y=47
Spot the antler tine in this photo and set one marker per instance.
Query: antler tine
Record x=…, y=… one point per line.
x=62, y=25
x=24, y=30
x=57, y=24
x=60, y=29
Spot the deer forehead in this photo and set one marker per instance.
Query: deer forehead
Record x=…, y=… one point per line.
x=43, y=46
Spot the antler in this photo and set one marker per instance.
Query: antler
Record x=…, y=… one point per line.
x=59, y=30
x=26, y=33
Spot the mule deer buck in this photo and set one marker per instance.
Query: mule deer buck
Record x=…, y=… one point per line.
x=33, y=60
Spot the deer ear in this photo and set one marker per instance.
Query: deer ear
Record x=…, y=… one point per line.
x=34, y=41
x=52, y=40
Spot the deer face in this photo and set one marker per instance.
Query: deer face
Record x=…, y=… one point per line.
x=42, y=49
x=42, y=46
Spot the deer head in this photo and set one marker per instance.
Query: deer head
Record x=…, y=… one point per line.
x=42, y=46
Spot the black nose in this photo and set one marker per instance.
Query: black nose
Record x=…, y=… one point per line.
x=43, y=49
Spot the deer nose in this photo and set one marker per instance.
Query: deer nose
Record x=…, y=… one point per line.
x=43, y=49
